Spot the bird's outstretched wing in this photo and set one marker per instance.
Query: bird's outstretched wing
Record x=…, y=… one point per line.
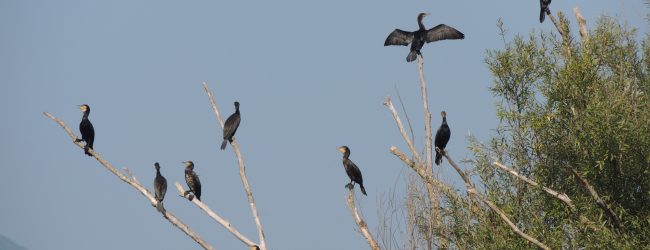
x=399, y=37
x=442, y=32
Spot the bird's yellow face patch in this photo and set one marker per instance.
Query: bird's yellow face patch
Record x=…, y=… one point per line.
x=443, y=114
x=83, y=108
x=342, y=149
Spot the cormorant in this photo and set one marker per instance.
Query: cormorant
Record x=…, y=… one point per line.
x=352, y=170
x=230, y=127
x=192, y=180
x=543, y=5
x=160, y=187
x=442, y=137
x=86, y=129
x=419, y=37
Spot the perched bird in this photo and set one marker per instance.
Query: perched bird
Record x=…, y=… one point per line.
x=230, y=127
x=192, y=180
x=419, y=37
x=442, y=137
x=86, y=129
x=160, y=187
x=352, y=170
x=543, y=5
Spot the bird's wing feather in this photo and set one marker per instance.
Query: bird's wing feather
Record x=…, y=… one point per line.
x=442, y=32
x=399, y=37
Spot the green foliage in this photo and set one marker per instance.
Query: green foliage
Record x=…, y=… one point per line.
x=587, y=109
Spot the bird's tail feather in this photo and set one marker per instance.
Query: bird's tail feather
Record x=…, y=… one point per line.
x=160, y=207
x=412, y=56
x=438, y=158
x=363, y=190
x=86, y=151
x=223, y=144
x=542, y=15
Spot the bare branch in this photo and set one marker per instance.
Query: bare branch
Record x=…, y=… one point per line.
x=561, y=196
x=472, y=190
x=427, y=114
x=563, y=28
x=388, y=103
x=601, y=203
x=226, y=224
x=582, y=23
x=131, y=181
x=242, y=171
x=360, y=222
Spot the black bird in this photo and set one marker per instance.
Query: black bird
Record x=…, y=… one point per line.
x=419, y=37
x=230, y=127
x=192, y=180
x=86, y=129
x=543, y=5
x=160, y=187
x=442, y=137
x=352, y=170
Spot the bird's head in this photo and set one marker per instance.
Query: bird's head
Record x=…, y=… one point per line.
x=344, y=149
x=84, y=107
x=236, y=105
x=189, y=164
x=422, y=15
x=157, y=166
x=443, y=114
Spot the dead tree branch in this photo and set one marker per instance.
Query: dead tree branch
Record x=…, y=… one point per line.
x=472, y=190
x=226, y=224
x=563, y=28
x=427, y=114
x=388, y=103
x=135, y=184
x=582, y=23
x=599, y=201
x=363, y=227
x=242, y=172
x=561, y=196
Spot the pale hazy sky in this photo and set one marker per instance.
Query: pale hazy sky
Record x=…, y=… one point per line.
x=310, y=76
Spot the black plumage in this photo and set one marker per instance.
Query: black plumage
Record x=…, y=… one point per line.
x=230, y=127
x=192, y=180
x=544, y=10
x=86, y=129
x=442, y=138
x=159, y=187
x=352, y=170
x=419, y=37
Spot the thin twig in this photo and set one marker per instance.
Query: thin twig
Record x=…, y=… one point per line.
x=226, y=224
x=561, y=196
x=472, y=190
x=242, y=172
x=363, y=227
x=406, y=114
x=131, y=181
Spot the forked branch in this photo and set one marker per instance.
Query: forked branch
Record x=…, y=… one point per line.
x=135, y=184
x=226, y=224
x=242, y=171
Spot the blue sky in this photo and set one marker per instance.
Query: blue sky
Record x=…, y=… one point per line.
x=310, y=76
